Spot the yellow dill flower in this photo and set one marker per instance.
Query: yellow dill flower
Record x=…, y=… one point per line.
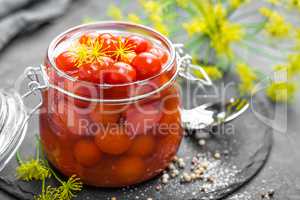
x=294, y=4
x=283, y=68
x=87, y=20
x=281, y=91
x=214, y=23
x=115, y=12
x=234, y=4
x=122, y=49
x=298, y=39
x=213, y=72
x=155, y=18
x=274, y=2
x=276, y=25
x=292, y=68
x=150, y=6
x=228, y=34
x=195, y=26
x=32, y=170
x=183, y=3
x=247, y=78
x=134, y=18
x=162, y=28
x=294, y=64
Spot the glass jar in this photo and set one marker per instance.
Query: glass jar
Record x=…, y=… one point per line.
x=108, y=135
x=120, y=134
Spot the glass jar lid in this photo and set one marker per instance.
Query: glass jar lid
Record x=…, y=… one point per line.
x=13, y=124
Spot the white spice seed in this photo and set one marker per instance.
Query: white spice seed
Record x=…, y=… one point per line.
x=217, y=155
x=165, y=181
x=149, y=199
x=165, y=176
x=193, y=176
x=186, y=177
x=171, y=166
x=174, y=173
x=202, y=142
x=205, y=165
x=181, y=163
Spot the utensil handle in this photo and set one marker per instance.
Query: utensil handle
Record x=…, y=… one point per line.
x=196, y=118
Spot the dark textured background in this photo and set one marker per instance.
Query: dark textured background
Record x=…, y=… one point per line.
x=282, y=171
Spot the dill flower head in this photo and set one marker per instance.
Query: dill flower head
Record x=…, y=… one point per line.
x=155, y=15
x=247, y=78
x=274, y=2
x=276, y=25
x=49, y=193
x=92, y=51
x=281, y=91
x=68, y=189
x=234, y=4
x=134, y=18
x=182, y=3
x=213, y=72
x=212, y=21
x=150, y=6
x=298, y=39
x=32, y=170
x=115, y=12
x=294, y=62
x=195, y=26
x=294, y=4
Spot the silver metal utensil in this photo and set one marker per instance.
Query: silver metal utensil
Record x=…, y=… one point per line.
x=210, y=115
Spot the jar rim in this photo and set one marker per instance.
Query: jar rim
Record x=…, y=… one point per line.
x=132, y=26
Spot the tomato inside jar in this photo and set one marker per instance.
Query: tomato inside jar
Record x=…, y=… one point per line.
x=112, y=117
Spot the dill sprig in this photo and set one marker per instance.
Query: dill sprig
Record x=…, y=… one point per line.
x=68, y=189
x=48, y=193
x=34, y=169
x=122, y=49
x=92, y=51
x=39, y=169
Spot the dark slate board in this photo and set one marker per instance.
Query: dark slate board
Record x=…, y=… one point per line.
x=247, y=140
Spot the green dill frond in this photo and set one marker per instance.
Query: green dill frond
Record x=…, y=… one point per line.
x=68, y=189
x=32, y=170
x=48, y=194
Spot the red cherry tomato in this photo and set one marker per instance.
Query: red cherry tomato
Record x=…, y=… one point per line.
x=68, y=123
x=114, y=141
x=85, y=39
x=141, y=118
x=160, y=53
x=143, y=146
x=65, y=161
x=95, y=72
x=121, y=73
x=140, y=44
x=130, y=169
x=109, y=41
x=65, y=61
x=87, y=153
x=81, y=89
x=106, y=114
x=146, y=65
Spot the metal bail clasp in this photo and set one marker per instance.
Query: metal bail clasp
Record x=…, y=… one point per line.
x=35, y=86
x=186, y=67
